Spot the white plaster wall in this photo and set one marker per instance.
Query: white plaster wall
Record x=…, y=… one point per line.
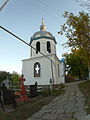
x=62, y=73
x=43, y=47
x=58, y=79
x=28, y=71
x=61, y=78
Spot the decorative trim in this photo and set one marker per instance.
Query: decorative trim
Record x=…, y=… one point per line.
x=43, y=37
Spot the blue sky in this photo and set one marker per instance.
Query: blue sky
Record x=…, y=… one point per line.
x=23, y=17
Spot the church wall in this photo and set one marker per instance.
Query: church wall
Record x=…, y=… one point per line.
x=62, y=69
x=60, y=78
x=44, y=42
x=34, y=51
x=28, y=71
x=43, y=47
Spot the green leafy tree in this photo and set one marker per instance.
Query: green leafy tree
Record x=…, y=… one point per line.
x=15, y=79
x=77, y=63
x=77, y=30
x=4, y=75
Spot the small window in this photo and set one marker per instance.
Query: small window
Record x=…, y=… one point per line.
x=37, y=47
x=48, y=47
x=37, y=69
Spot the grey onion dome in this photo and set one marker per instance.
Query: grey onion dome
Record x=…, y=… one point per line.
x=42, y=34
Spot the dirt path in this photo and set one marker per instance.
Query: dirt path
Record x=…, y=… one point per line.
x=69, y=106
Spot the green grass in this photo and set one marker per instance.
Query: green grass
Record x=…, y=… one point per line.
x=54, y=92
x=26, y=110
x=85, y=88
x=58, y=92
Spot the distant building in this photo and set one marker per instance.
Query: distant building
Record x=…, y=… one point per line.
x=38, y=68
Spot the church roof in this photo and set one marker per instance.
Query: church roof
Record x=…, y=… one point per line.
x=42, y=34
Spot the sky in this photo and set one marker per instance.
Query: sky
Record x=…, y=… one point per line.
x=23, y=17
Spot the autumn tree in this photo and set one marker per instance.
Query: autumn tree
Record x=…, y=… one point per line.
x=77, y=30
x=77, y=63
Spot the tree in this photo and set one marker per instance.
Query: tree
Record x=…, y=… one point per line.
x=84, y=4
x=4, y=75
x=77, y=63
x=77, y=30
x=15, y=78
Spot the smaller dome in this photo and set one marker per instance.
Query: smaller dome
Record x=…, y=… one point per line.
x=62, y=60
x=43, y=28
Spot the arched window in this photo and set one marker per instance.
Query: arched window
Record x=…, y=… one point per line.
x=37, y=69
x=48, y=47
x=37, y=47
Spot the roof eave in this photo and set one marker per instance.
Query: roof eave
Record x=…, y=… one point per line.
x=43, y=37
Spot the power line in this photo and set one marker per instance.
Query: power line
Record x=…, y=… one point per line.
x=25, y=42
x=3, y=5
x=44, y=3
x=31, y=47
x=47, y=6
x=43, y=6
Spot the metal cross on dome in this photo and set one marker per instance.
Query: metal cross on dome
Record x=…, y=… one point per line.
x=37, y=69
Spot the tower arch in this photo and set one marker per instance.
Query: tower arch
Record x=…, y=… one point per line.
x=37, y=47
x=48, y=47
x=43, y=41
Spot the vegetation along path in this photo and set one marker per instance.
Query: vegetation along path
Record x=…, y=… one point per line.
x=69, y=106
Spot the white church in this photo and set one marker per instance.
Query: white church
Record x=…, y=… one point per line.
x=43, y=66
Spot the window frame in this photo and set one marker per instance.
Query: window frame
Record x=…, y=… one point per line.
x=35, y=74
x=37, y=47
x=48, y=47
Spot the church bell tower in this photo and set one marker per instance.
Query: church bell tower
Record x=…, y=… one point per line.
x=42, y=41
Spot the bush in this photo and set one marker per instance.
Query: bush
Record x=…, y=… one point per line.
x=45, y=93
x=69, y=78
x=57, y=92
x=62, y=85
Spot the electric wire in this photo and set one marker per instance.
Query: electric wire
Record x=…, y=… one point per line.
x=25, y=42
x=50, y=7
x=3, y=5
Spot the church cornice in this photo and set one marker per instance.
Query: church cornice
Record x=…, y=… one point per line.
x=57, y=59
x=46, y=37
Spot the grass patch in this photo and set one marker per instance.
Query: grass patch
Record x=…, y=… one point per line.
x=54, y=92
x=57, y=92
x=85, y=88
x=26, y=110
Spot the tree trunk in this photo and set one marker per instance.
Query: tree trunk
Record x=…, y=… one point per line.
x=79, y=74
